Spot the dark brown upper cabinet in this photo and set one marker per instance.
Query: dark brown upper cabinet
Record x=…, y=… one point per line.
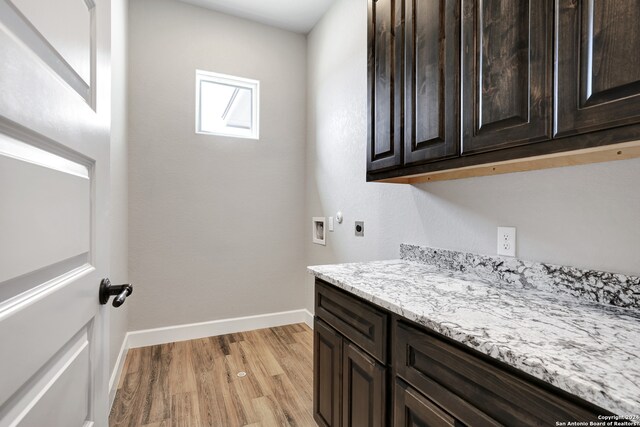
x=384, y=85
x=598, y=65
x=432, y=80
x=507, y=73
x=462, y=88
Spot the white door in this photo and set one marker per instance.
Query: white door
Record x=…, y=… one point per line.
x=54, y=178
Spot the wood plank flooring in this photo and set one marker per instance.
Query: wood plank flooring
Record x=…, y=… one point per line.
x=195, y=383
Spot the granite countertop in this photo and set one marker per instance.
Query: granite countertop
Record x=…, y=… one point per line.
x=589, y=349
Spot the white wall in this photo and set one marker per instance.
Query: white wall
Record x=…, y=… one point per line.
x=216, y=224
x=119, y=193
x=585, y=216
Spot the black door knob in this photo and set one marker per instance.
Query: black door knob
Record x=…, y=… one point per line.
x=120, y=291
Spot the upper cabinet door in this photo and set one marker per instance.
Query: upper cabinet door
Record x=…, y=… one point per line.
x=384, y=84
x=432, y=80
x=598, y=65
x=507, y=73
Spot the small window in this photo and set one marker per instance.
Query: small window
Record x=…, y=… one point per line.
x=226, y=105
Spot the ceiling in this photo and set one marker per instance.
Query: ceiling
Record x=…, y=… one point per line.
x=299, y=16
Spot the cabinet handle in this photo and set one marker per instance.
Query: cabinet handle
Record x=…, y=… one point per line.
x=364, y=355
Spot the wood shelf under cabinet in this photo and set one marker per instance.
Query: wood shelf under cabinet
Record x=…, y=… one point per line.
x=622, y=151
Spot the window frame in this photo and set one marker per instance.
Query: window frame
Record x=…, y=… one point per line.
x=251, y=84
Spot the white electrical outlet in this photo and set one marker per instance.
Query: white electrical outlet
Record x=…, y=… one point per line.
x=507, y=241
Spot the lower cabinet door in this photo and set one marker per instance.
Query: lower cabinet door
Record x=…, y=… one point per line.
x=363, y=389
x=327, y=375
x=411, y=409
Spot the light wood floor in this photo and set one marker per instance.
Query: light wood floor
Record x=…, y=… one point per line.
x=195, y=383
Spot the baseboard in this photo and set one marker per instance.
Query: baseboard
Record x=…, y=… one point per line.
x=147, y=337
x=117, y=370
x=308, y=318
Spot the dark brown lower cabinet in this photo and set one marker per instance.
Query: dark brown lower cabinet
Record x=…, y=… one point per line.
x=373, y=368
x=327, y=374
x=363, y=389
x=412, y=410
x=473, y=390
x=349, y=385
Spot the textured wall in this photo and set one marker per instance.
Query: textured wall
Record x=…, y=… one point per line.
x=119, y=186
x=584, y=216
x=216, y=224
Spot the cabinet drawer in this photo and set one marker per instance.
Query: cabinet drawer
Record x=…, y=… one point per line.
x=470, y=388
x=412, y=409
x=360, y=322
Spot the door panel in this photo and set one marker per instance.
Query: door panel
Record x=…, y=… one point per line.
x=54, y=176
x=73, y=41
x=504, y=75
x=598, y=67
x=432, y=80
x=48, y=219
x=58, y=401
x=66, y=45
x=363, y=382
x=384, y=84
x=507, y=73
x=610, y=57
x=47, y=321
x=327, y=359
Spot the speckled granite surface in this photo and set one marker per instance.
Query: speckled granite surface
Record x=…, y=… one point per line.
x=591, y=285
x=588, y=349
